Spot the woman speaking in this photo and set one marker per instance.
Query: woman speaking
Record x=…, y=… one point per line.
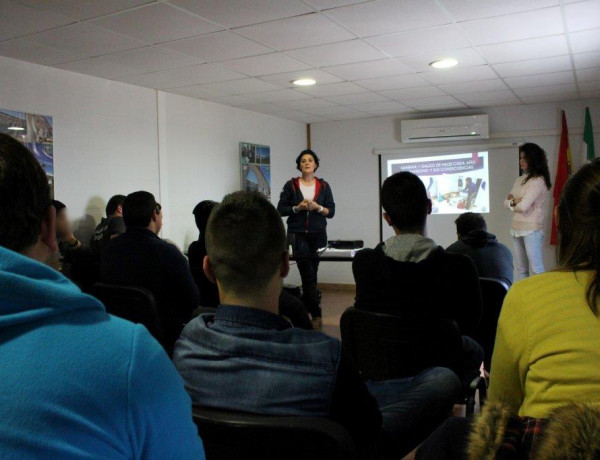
x=308, y=202
x=527, y=200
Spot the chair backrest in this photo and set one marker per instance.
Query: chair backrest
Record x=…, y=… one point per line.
x=385, y=346
x=493, y=292
x=132, y=303
x=231, y=435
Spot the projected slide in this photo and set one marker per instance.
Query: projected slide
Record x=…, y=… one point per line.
x=455, y=183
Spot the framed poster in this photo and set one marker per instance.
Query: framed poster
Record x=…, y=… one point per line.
x=35, y=131
x=255, y=161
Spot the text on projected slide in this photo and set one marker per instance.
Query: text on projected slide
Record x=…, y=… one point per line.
x=455, y=183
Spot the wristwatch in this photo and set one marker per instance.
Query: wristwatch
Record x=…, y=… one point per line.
x=294, y=210
x=320, y=209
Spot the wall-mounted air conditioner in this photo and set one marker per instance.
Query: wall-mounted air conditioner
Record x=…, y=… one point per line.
x=445, y=129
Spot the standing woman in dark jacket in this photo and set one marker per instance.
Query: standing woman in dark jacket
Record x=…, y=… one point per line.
x=308, y=203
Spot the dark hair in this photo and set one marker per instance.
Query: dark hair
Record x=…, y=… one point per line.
x=579, y=227
x=468, y=222
x=24, y=195
x=58, y=205
x=138, y=208
x=113, y=204
x=201, y=213
x=537, y=163
x=404, y=199
x=307, y=152
x=245, y=239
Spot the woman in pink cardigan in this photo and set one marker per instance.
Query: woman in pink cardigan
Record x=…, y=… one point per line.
x=527, y=201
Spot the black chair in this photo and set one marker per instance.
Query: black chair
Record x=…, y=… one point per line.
x=385, y=346
x=231, y=435
x=135, y=304
x=493, y=292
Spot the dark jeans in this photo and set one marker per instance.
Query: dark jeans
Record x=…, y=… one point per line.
x=472, y=357
x=414, y=407
x=305, y=246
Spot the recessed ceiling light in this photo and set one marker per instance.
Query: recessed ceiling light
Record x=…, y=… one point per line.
x=304, y=82
x=16, y=128
x=444, y=63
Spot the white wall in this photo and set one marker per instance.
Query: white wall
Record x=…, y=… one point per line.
x=105, y=138
x=347, y=162
x=202, y=141
x=112, y=137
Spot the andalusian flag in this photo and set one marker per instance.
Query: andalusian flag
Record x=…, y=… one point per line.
x=588, y=138
x=563, y=172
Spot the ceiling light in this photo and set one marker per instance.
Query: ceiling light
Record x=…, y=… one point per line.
x=304, y=82
x=16, y=128
x=444, y=63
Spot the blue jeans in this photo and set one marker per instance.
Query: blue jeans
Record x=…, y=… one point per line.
x=529, y=254
x=413, y=407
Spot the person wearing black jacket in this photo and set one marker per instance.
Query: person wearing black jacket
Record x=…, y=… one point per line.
x=307, y=201
x=410, y=274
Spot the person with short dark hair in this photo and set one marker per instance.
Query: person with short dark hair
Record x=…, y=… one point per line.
x=139, y=257
x=246, y=357
x=76, y=382
x=290, y=306
x=307, y=201
x=492, y=258
x=109, y=227
x=410, y=274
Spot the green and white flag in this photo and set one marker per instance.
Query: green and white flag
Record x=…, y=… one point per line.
x=588, y=138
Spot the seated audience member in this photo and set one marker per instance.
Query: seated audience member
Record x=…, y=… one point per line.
x=548, y=337
x=109, y=227
x=140, y=258
x=76, y=382
x=290, y=306
x=410, y=274
x=492, y=258
x=209, y=294
x=245, y=357
x=70, y=250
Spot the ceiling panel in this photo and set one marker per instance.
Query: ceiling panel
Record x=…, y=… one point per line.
x=393, y=82
x=359, y=98
x=585, y=60
x=457, y=75
x=566, y=88
x=521, y=26
x=371, y=69
x=243, y=86
x=380, y=107
x=480, y=99
x=21, y=48
x=265, y=64
x=534, y=66
x=466, y=57
x=477, y=86
x=285, y=79
x=380, y=17
x=235, y=13
x=540, y=80
x=583, y=15
x=465, y=10
x=434, y=103
x=522, y=50
x=332, y=89
x=83, y=9
x=305, y=104
x=85, y=40
x=588, y=40
x=278, y=96
x=150, y=59
x=413, y=93
x=298, y=32
x=156, y=23
x=17, y=20
x=421, y=41
x=337, y=53
x=103, y=69
x=218, y=46
x=591, y=74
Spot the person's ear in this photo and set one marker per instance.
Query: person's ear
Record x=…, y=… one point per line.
x=48, y=231
x=387, y=219
x=208, y=271
x=429, y=206
x=285, y=264
x=120, y=209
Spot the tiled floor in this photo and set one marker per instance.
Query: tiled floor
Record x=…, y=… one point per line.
x=333, y=302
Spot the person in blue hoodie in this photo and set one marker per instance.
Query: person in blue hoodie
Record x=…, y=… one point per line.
x=75, y=381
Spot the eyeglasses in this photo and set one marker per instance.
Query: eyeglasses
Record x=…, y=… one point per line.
x=158, y=208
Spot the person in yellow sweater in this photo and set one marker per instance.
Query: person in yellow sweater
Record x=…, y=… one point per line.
x=547, y=349
x=548, y=341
